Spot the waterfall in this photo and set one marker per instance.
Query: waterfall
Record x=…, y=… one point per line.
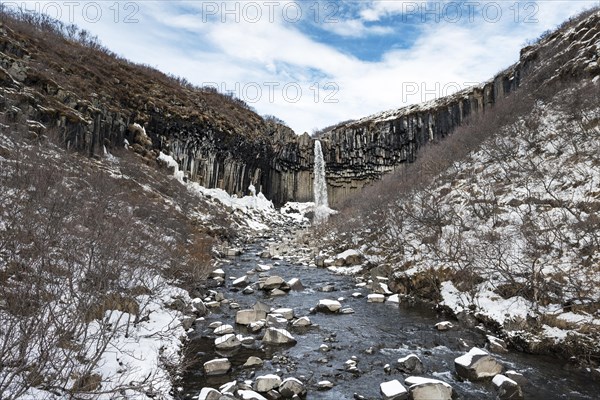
x=320, y=186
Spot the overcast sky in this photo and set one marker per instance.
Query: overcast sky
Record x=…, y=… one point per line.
x=315, y=63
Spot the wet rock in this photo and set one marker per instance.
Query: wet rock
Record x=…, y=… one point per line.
x=240, y=282
x=199, y=306
x=262, y=268
x=218, y=366
x=273, y=395
x=213, y=304
x=267, y=382
x=496, y=345
x=387, y=368
x=278, y=336
x=277, y=292
x=328, y=288
x=246, y=317
x=295, y=284
x=227, y=342
x=232, y=252
x=428, y=389
x=302, y=321
x=229, y=388
x=217, y=273
x=272, y=282
x=356, y=295
x=253, y=362
x=209, y=394
x=517, y=377
x=215, y=325
x=223, y=330
x=245, y=340
x=324, y=385
x=276, y=321
x=234, y=306
x=507, y=388
x=291, y=387
x=248, y=290
x=393, y=390
x=250, y=395
x=375, y=298
x=477, y=364
x=347, y=310
x=444, y=326
x=256, y=326
x=261, y=307
x=324, y=348
x=326, y=305
x=286, y=313
x=410, y=364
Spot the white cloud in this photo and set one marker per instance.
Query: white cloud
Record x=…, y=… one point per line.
x=248, y=55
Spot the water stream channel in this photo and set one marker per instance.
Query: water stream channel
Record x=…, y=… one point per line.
x=376, y=333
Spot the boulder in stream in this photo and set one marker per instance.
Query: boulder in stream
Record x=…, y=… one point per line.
x=428, y=389
x=227, y=342
x=246, y=317
x=393, y=390
x=410, y=364
x=218, y=366
x=507, y=388
x=327, y=305
x=278, y=336
x=477, y=364
x=291, y=387
x=265, y=383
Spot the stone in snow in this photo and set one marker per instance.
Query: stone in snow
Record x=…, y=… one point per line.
x=209, y=394
x=227, y=342
x=253, y=362
x=507, y=388
x=267, y=382
x=477, y=364
x=250, y=395
x=286, y=313
x=375, y=298
x=218, y=366
x=273, y=282
x=329, y=305
x=278, y=336
x=410, y=364
x=302, y=321
x=324, y=385
x=291, y=387
x=240, y=282
x=444, y=326
x=246, y=317
x=428, y=389
x=224, y=330
x=381, y=288
x=393, y=390
x=348, y=257
x=497, y=345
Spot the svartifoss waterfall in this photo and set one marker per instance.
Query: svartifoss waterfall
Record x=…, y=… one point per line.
x=320, y=186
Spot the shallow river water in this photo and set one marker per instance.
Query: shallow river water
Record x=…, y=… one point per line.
x=392, y=331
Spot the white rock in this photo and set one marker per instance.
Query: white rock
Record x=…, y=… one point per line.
x=246, y=317
x=324, y=348
x=393, y=390
x=347, y=310
x=291, y=387
x=245, y=340
x=262, y=268
x=227, y=342
x=286, y=313
x=302, y=321
x=224, y=330
x=256, y=326
x=410, y=364
x=278, y=336
x=329, y=305
x=356, y=295
x=267, y=382
x=239, y=282
x=507, y=388
x=272, y=282
x=295, y=284
x=215, y=324
x=428, y=389
x=250, y=395
x=277, y=292
x=253, y=362
x=217, y=273
x=395, y=299
x=477, y=364
x=209, y=394
x=444, y=326
x=218, y=366
x=375, y=298
x=324, y=385
x=276, y=321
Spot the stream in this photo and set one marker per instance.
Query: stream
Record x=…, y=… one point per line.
x=376, y=334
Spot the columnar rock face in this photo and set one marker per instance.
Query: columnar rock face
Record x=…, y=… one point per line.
x=221, y=143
